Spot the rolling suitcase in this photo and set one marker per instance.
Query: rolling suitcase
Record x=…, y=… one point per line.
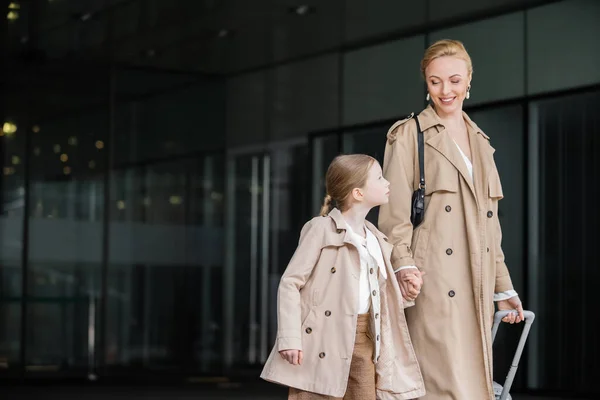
x=502, y=391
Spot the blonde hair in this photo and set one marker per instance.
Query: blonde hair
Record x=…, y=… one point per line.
x=446, y=47
x=345, y=173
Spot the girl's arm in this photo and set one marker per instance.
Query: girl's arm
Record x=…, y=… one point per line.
x=294, y=278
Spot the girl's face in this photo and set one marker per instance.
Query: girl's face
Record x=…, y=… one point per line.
x=377, y=189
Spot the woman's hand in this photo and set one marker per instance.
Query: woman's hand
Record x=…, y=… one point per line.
x=294, y=357
x=514, y=303
x=410, y=281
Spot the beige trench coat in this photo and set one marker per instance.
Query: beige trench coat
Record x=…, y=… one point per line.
x=317, y=313
x=458, y=245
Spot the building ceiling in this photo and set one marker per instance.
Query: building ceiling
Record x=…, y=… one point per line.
x=208, y=36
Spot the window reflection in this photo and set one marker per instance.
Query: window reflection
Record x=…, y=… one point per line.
x=12, y=148
x=165, y=272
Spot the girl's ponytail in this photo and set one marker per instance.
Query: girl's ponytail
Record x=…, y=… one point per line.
x=327, y=206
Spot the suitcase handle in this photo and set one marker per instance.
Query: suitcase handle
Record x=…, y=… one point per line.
x=529, y=318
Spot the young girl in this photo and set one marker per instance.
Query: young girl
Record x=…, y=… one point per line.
x=341, y=327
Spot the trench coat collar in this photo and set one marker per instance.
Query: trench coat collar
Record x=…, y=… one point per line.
x=342, y=229
x=481, y=151
x=428, y=118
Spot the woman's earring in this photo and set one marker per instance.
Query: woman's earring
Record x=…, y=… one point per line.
x=468, y=92
x=427, y=97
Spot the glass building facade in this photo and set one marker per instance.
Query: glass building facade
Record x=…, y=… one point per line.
x=159, y=161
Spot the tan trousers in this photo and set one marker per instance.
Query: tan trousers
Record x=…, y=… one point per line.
x=361, y=382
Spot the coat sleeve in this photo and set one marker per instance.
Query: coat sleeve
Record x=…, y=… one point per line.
x=503, y=281
x=292, y=281
x=399, y=170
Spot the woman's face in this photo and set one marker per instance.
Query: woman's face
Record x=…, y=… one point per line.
x=447, y=82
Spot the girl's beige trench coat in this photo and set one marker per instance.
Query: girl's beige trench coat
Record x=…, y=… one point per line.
x=458, y=245
x=317, y=313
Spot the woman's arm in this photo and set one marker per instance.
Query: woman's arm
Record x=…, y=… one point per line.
x=503, y=281
x=399, y=169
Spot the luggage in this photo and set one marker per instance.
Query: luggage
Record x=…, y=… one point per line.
x=502, y=391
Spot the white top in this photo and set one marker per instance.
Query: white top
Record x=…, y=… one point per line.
x=368, y=248
x=467, y=161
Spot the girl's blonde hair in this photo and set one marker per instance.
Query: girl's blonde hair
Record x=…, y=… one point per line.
x=446, y=47
x=345, y=173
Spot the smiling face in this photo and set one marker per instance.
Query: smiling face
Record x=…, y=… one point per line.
x=448, y=79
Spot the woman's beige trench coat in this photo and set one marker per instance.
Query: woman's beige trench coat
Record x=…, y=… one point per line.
x=317, y=302
x=458, y=245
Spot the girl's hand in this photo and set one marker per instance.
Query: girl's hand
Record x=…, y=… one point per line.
x=409, y=293
x=294, y=357
x=416, y=281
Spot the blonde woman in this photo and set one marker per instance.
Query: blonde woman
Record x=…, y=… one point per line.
x=458, y=243
x=341, y=327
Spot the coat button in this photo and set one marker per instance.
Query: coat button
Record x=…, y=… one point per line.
x=451, y=293
x=327, y=313
x=374, y=292
x=340, y=230
x=308, y=330
x=448, y=208
x=490, y=214
x=377, y=316
x=321, y=355
x=449, y=252
x=333, y=270
x=371, y=271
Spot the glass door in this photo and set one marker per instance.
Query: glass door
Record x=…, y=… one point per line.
x=247, y=258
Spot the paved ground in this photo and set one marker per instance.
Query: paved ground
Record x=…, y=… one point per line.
x=161, y=393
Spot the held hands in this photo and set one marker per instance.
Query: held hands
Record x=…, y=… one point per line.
x=514, y=303
x=294, y=357
x=410, y=281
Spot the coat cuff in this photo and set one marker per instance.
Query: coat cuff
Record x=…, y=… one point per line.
x=505, y=295
x=289, y=343
x=396, y=270
x=402, y=262
x=503, y=284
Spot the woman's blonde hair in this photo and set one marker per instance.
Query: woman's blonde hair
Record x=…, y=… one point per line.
x=345, y=173
x=446, y=47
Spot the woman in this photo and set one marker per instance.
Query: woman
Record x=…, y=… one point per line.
x=458, y=243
